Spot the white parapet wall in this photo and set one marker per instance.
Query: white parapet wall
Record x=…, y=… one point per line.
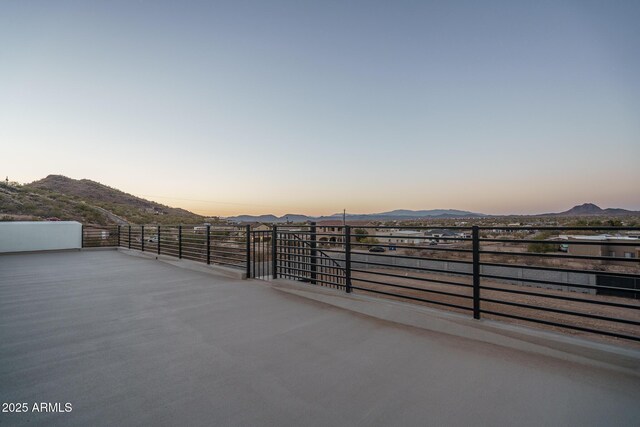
x=25, y=236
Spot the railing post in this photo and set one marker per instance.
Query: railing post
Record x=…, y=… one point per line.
x=347, y=258
x=248, y=233
x=82, y=237
x=274, y=252
x=158, y=239
x=208, y=244
x=118, y=236
x=129, y=236
x=180, y=241
x=475, y=235
x=142, y=237
x=313, y=253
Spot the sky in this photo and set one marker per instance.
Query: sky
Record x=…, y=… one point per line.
x=313, y=107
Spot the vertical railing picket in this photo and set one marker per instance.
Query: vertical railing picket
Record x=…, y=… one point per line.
x=208, y=244
x=274, y=252
x=313, y=253
x=347, y=258
x=248, y=249
x=475, y=235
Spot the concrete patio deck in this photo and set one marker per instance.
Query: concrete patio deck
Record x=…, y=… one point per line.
x=134, y=341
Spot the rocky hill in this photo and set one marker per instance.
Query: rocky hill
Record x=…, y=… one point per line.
x=86, y=201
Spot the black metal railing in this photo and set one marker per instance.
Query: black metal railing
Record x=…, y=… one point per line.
x=95, y=236
x=515, y=273
x=300, y=255
x=223, y=245
x=557, y=277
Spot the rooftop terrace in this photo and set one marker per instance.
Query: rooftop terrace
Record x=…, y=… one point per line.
x=132, y=340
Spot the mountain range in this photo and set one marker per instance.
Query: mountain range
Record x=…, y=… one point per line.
x=586, y=209
x=91, y=202
x=398, y=214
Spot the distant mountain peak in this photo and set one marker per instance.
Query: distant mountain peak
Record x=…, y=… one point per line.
x=586, y=209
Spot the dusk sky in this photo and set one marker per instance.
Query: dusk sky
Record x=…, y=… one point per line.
x=314, y=106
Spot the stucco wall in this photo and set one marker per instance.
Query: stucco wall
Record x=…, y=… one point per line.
x=39, y=236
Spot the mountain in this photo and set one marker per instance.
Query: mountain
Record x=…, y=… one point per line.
x=591, y=209
x=257, y=218
x=429, y=213
x=399, y=214
x=25, y=204
x=85, y=201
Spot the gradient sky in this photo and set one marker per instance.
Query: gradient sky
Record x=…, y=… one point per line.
x=315, y=106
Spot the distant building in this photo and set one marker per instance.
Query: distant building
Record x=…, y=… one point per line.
x=608, y=246
x=436, y=235
x=332, y=231
x=401, y=237
x=259, y=226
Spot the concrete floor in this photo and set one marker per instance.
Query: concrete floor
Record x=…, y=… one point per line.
x=132, y=341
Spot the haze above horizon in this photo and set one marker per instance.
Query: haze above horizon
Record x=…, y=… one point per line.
x=250, y=107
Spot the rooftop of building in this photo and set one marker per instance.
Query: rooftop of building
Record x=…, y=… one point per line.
x=132, y=340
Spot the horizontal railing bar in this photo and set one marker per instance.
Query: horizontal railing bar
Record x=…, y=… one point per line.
x=306, y=233
x=224, y=249
x=562, y=297
x=396, y=245
x=552, y=282
x=563, y=242
x=560, y=270
x=411, y=298
x=421, y=248
x=562, y=228
x=561, y=311
x=395, y=285
x=307, y=255
x=377, y=236
x=562, y=325
x=412, y=257
x=283, y=263
x=437, y=270
x=406, y=227
x=560, y=256
x=422, y=279
x=334, y=251
x=311, y=271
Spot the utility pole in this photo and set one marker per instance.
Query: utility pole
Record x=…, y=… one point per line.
x=344, y=217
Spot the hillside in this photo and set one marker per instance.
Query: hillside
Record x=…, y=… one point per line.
x=24, y=204
x=590, y=209
x=85, y=201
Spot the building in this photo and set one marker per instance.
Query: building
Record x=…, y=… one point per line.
x=332, y=231
x=443, y=236
x=608, y=246
x=400, y=237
